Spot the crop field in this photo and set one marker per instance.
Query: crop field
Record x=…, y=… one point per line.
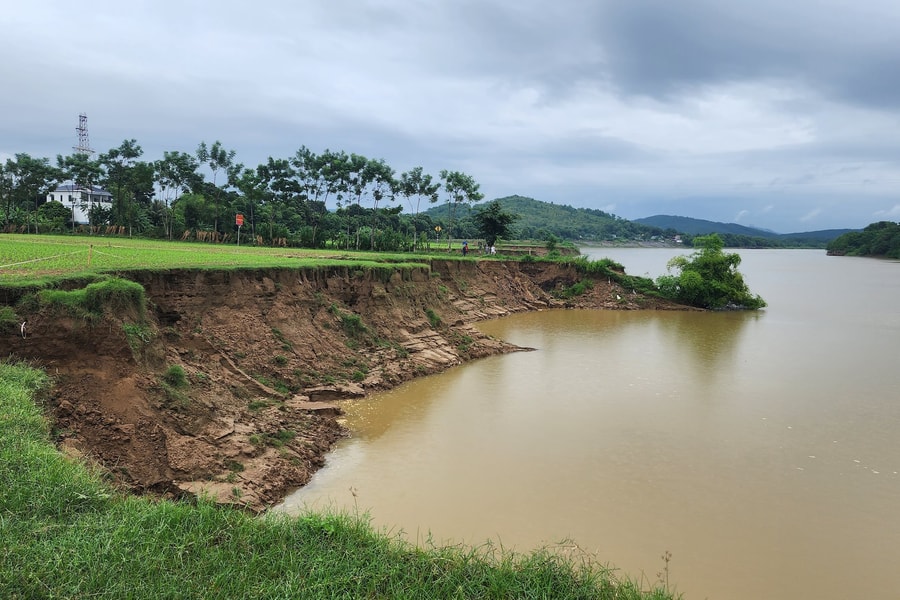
x=29, y=259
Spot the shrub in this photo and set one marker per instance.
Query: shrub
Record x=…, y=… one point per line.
x=708, y=278
x=175, y=376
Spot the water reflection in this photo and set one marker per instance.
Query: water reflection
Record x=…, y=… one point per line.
x=711, y=339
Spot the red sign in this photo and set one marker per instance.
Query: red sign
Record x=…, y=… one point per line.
x=239, y=219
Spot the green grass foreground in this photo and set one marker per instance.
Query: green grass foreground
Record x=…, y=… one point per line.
x=64, y=533
x=35, y=259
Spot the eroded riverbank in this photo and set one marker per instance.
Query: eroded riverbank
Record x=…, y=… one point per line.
x=262, y=352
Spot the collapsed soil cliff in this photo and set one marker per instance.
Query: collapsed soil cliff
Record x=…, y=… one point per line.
x=226, y=388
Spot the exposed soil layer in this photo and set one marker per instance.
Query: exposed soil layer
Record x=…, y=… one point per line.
x=264, y=353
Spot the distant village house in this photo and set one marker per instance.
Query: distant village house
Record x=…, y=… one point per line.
x=79, y=199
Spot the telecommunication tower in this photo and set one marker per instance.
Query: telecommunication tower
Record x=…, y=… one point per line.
x=84, y=143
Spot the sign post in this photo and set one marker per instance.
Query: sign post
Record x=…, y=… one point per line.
x=239, y=220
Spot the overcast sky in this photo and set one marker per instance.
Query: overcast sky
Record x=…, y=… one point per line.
x=778, y=114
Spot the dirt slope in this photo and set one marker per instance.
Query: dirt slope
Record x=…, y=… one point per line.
x=263, y=353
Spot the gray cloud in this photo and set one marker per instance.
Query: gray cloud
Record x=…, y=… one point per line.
x=770, y=111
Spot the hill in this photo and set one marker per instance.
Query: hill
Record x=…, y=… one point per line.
x=701, y=227
x=741, y=235
x=538, y=220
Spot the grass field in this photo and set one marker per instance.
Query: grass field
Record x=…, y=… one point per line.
x=29, y=259
x=65, y=534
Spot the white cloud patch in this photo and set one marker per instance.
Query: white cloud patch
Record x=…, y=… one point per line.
x=811, y=215
x=891, y=213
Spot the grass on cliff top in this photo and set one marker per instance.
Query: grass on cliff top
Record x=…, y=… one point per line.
x=29, y=260
x=66, y=534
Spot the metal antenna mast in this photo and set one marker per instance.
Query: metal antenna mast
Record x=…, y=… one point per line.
x=84, y=143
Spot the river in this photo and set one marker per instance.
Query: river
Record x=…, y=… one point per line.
x=761, y=450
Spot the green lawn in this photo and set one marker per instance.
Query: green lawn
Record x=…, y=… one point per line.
x=65, y=534
x=28, y=259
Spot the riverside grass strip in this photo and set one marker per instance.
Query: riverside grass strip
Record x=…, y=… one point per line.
x=32, y=259
x=66, y=534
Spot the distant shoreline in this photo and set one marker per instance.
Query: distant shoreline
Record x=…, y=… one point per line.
x=632, y=244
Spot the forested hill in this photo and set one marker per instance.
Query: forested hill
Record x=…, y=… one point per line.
x=701, y=226
x=538, y=220
x=877, y=239
x=740, y=235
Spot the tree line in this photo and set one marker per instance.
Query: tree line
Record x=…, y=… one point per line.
x=876, y=239
x=283, y=200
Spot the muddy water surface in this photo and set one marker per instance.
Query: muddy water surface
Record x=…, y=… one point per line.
x=761, y=450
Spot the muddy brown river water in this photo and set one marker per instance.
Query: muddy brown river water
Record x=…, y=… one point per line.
x=761, y=450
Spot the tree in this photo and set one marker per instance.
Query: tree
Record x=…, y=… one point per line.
x=877, y=239
x=217, y=158
x=416, y=184
x=54, y=215
x=83, y=172
x=381, y=180
x=175, y=174
x=459, y=188
x=493, y=222
x=708, y=278
x=250, y=183
x=6, y=193
x=28, y=181
x=121, y=181
x=278, y=179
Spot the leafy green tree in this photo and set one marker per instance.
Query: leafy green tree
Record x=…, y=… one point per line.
x=218, y=159
x=493, y=222
x=28, y=181
x=122, y=181
x=6, y=193
x=252, y=186
x=460, y=188
x=382, y=186
x=175, y=174
x=84, y=172
x=419, y=185
x=282, y=190
x=54, y=215
x=708, y=278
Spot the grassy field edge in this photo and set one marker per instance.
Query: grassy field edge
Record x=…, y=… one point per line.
x=65, y=534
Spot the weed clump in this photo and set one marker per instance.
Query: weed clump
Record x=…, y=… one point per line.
x=433, y=318
x=175, y=376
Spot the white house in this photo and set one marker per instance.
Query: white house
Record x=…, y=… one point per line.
x=80, y=199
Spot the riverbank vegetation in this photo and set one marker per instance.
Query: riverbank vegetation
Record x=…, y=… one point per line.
x=708, y=279
x=877, y=239
x=68, y=534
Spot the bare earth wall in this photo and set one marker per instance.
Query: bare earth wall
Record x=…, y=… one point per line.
x=265, y=354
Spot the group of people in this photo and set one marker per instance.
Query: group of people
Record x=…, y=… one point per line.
x=465, y=248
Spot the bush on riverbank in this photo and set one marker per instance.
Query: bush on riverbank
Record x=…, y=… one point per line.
x=65, y=533
x=709, y=279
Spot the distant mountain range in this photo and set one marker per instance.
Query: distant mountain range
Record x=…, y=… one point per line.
x=702, y=227
x=538, y=220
